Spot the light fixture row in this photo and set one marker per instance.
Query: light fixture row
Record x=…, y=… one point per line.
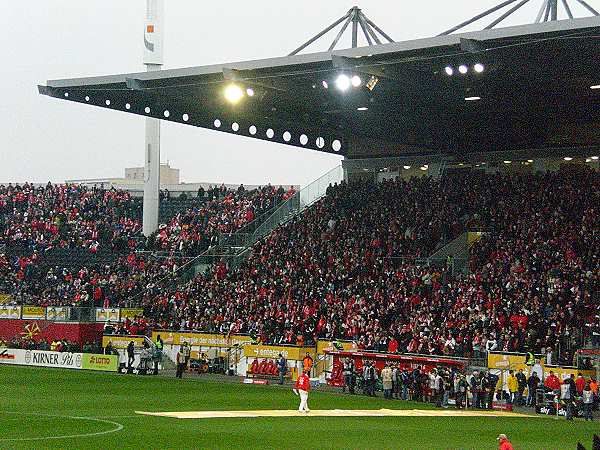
x=463, y=69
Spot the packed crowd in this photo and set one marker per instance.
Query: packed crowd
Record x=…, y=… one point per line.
x=67, y=216
x=70, y=216
x=193, y=230
x=346, y=268
x=334, y=272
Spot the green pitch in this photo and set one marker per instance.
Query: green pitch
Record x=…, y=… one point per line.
x=97, y=410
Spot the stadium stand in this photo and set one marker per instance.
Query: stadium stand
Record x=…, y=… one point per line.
x=354, y=266
x=337, y=271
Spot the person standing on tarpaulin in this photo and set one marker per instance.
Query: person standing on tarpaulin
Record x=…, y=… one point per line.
x=302, y=388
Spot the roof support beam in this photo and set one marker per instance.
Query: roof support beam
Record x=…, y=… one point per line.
x=314, y=38
x=541, y=12
x=567, y=9
x=506, y=14
x=339, y=35
x=354, y=30
x=373, y=34
x=554, y=10
x=379, y=30
x=477, y=17
x=547, y=13
x=588, y=7
x=365, y=32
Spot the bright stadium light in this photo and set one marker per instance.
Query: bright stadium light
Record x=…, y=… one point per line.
x=356, y=81
x=233, y=93
x=406, y=167
x=362, y=108
x=449, y=70
x=530, y=160
x=596, y=86
x=463, y=69
x=250, y=92
x=507, y=161
x=568, y=158
x=325, y=84
x=342, y=82
x=595, y=158
x=472, y=99
x=479, y=68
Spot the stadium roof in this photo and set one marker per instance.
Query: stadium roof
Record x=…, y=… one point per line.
x=535, y=92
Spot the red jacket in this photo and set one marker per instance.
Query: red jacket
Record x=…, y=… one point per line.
x=303, y=383
x=505, y=445
x=552, y=382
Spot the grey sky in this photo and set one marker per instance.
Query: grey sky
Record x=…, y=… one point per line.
x=45, y=139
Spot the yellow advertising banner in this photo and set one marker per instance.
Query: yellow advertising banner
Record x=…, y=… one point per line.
x=122, y=341
x=56, y=313
x=5, y=298
x=330, y=346
x=131, y=313
x=201, y=339
x=506, y=361
x=273, y=351
x=107, y=314
x=10, y=312
x=33, y=312
x=512, y=361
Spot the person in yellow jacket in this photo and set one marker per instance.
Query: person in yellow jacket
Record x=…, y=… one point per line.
x=513, y=385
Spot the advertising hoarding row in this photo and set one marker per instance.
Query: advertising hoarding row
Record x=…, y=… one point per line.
x=64, y=360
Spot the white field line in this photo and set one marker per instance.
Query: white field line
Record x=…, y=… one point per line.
x=116, y=427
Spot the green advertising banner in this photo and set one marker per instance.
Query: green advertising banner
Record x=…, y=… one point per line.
x=108, y=363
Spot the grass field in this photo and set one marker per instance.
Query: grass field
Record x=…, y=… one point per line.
x=98, y=410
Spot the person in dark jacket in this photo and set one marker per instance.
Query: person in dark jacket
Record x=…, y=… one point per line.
x=130, y=354
x=281, y=368
x=521, y=385
x=532, y=385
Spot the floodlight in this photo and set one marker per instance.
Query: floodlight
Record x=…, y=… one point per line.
x=449, y=70
x=342, y=82
x=595, y=158
x=596, y=86
x=356, y=81
x=406, y=167
x=479, y=68
x=507, y=162
x=568, y=158
x=372, y=83
x=250, y=92
x=233, y=93
x=362, y=108
x=472, y=99
x=325, y=84
x=463, y=69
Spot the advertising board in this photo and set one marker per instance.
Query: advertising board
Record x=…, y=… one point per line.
x=201, y=339
x=33, y=312
x=57, y=313
x=273, y=351
x=10, y=312
x=131, y=313
x=64, y=360
x=106, y=363
x=121, y=341
x=107, y=314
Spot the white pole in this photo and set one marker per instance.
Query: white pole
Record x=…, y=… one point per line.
x=153, y=59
